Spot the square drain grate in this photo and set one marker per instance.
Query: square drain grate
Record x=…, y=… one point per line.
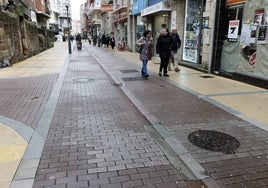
x=206, y=76
x=128, y=71
x=132, y=78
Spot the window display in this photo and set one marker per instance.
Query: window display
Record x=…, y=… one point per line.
x=192, y=31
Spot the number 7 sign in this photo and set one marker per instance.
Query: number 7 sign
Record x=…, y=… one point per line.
x=233, y=30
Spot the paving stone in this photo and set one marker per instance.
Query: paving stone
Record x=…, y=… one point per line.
x=97, y=136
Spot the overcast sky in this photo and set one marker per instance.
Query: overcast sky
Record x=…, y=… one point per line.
x=75, y=4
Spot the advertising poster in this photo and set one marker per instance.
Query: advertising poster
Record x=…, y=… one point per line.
x=233, y=30
x=262, y=33
x=245, y=35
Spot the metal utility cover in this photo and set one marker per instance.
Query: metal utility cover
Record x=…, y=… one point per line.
x=214, y=141
x=133, y=78
x=206, y=76
x=128, y=71
x=83, y=80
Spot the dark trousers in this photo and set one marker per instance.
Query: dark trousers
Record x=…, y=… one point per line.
x=163, y=65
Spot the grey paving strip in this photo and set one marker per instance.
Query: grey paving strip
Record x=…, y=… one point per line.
x=189, y=166
x=25, y=174
x=25, y=131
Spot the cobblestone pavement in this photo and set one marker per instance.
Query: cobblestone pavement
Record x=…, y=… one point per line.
x=112, y=128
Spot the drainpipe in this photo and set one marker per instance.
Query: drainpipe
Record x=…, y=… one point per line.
x=212, y=37
x=134, y=22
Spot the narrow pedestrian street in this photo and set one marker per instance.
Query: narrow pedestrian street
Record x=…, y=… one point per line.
x=89, y=119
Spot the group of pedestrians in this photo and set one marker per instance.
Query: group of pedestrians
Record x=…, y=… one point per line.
x=107, y=41
x=167, y=47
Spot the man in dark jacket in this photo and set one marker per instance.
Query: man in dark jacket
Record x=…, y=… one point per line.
x=176, y=44
x=103, y=40
x=78, y=39
x=163, y=48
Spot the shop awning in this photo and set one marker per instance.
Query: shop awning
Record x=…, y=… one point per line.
x=118, y=20
x=156, y=8
x=42, y=14
x=121, y=9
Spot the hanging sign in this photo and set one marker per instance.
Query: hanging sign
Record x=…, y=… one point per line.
x=233, y=30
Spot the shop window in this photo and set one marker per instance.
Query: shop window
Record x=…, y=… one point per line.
x=236, y=14
x=249, y=50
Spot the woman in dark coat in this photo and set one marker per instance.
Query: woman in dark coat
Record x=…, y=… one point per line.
x=163, y=48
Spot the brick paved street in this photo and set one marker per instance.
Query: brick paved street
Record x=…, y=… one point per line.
x=97, y=123
x=97, y=137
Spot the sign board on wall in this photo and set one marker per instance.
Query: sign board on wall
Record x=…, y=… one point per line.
x=233, y=30
x=158, y=7
x=234, y=2
x=173, y=19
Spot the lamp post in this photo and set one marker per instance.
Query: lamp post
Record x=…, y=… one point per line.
x=68, y=29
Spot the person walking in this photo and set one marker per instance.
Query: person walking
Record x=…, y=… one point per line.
x=176, y=44
x=103, y=40
x=146, y=45
x=78, y=40
x=163, y=48
x=112, y=41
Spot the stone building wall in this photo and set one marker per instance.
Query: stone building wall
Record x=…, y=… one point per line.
x=21, y=39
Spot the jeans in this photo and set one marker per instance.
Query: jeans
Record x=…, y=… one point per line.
x=144, y=68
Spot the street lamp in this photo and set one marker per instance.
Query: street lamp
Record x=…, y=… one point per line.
x=68, y=29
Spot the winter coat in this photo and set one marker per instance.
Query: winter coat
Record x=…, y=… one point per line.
x=78, y=38
x=176, y=44
x=146, y=53
x=163, y=46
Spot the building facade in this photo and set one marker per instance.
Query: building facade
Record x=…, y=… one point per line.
x=218, y=36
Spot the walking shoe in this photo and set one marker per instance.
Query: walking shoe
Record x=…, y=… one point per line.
x=177, y=69
x=166, y=75
x=160, y=74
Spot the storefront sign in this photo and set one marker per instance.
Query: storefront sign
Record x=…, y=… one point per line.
x=234, y=2
x=162, y=6
x=137, y=6
x=233, y=30
x=96, y=21
x=107, y=8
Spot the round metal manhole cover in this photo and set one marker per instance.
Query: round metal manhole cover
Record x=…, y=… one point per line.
x=214, y=141
x=83, y=80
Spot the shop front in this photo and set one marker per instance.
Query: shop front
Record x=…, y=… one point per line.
x=138, y=26
x=156, y=17
x=120, y=25
x=244, y=50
